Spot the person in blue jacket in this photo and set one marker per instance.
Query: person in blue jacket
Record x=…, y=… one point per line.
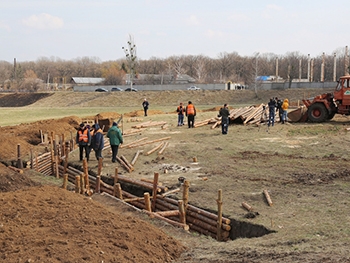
x=97, y=141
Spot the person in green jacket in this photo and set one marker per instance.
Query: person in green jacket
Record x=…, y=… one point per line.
x=115, y=138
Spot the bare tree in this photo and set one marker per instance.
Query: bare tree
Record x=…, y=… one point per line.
x=131, y=58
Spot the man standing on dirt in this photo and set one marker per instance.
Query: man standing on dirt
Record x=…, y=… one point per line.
x=279, y=108
x=272, y=112
x=145, y=105
x=115, y=138
x=97, y=142
x=83, y=139
x=180, y=113
x=285, y=107
x=224, y=114
x=190, y=113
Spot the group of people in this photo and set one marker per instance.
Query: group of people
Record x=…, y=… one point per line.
x=189, y=111
x=276, y=105
x=92, y=139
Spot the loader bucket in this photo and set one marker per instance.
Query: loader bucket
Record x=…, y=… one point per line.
x=298, y=115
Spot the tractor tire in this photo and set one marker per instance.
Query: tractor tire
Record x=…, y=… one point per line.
x=317, y=113
x=331, y=115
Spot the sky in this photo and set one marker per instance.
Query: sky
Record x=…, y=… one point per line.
x=69, y=30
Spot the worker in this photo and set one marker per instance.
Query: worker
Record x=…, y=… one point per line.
x=97, y=142
x=279, y=108
x=180, y=114
x=285, y=107
x=190, y=113
x=145, y=105
x=115, y=138
x=83, y=139
x=224, y=114
x=272, y=112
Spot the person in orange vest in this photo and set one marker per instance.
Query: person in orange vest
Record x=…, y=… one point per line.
x=83, y=139
x=180, y=113
x=190, y=113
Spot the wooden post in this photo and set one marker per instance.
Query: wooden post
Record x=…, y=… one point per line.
x=65, y=181
x=186, y=187
x=155, y=189
x=19, y=161
x=117, y=191
x=41, y=136
x=86, y=175
x=268, y=198
x=63, y=146
x=182, y=212
x=77, y=184
x=52, y=155
x=147, y=202
x=100, y=163
x=36, y=162
x=98, y=182
x=219, y=222
x=116, y=175
x=82, y=183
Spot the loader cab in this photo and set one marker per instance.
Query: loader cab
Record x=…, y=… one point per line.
x=342, y=93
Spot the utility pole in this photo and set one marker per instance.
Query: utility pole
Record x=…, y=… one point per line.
x=308, y=68
x=334, y=67
x=130, y=54
x=256, y=73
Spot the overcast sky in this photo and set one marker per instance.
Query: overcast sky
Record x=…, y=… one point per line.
x=73, y=29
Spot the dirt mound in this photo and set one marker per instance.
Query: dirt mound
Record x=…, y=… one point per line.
x=28, y=135
x=49, y=224
x=21, y=99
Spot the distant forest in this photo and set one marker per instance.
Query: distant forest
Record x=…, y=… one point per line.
x=33, y=75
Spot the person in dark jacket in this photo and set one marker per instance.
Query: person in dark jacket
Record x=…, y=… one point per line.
x=190, y=113
x=279, y=108
x=272, y=111
x=115, y=138
x=83, y=139
x=145, y=105
x=224, y=114
x=97, y=142
x=180, y=113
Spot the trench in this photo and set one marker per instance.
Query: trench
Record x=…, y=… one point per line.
x=239, y=228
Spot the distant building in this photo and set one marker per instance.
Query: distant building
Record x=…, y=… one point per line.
x=156, y=79
x=86, y=81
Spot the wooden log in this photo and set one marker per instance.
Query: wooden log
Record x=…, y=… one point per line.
x=77, y=184
x=168, y=213
x=155, y=148
x=171, y=192
x=197, y=210
x=182, y=212
x=252, y=113
x=98, y=186
x=65, y=181
x=136, y=156
x=149, y=142
x=141, y=184
x=18, y=170
x=134, y=199
x=118, y=191
x=268, y=198
x=147, y=202
x=127, y=162
x=134, y=142
x=185, y=193
x=246, y=206
x=163, y=148
x=174, y=223
x=219, y=222
x=155, y=190
x=124, y=164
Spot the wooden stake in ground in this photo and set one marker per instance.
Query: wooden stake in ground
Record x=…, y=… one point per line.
x=65, y=181
x=155, y=190
x=186, y=187
x=100, y=163
x=147, y=202
x=182, y=212
x=219, y=222
x=19, y=160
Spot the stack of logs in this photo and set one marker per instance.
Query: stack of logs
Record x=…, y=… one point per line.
x=176, y=212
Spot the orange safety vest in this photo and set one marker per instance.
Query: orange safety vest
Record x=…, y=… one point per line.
x=180, y=111
x=190, y=109
x=83, y=136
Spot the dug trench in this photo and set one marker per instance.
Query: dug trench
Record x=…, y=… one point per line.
x=239, y=229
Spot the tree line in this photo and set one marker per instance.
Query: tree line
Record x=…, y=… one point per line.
x=34, y=75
